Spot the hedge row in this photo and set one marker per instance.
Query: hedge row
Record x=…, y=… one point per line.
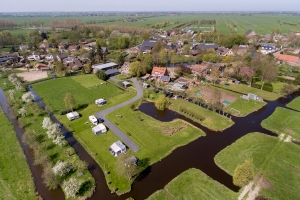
x=284, y=80
x=191, y=113
x=267, y=86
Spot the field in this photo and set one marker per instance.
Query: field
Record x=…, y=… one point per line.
x=212, y=120
x=277, y=161
x=85, y=89
x=193, y=184
x=245, y=90
x=261, y=24
x=245, y=107
x=284, y=121
x=15, y=176
x=295, y=104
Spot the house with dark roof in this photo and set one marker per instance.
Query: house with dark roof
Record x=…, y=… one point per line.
x=205, y=47
x=242, y=50
x=71, y=61
x=250, y=33
x=12, y=57
x=73, y=48
x=147, y=46
x=222, y=51
x=61, y=57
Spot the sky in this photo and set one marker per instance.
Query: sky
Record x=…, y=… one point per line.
x=146, y=5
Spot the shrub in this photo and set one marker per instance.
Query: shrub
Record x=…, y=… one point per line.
x=61, y=168
x=284, y=80
x=243, y=173
x=71, y=187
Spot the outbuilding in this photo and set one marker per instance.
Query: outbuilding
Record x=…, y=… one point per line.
x=73, y=115
x=99, y=129
x=126, y=84
x=117, y=148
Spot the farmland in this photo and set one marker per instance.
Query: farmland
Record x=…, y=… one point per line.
x=276, y=161
x=261, y=24
x=203, y=187
x=13, y=165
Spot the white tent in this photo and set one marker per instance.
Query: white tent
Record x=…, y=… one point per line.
x=100, y=128
x=117, y=148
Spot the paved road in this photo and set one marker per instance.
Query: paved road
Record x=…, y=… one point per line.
x=112, y=127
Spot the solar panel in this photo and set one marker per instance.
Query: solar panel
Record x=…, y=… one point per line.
x=164, y=78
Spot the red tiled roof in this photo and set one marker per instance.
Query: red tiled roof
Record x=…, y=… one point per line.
x=160, y=70
x=287, y=58
x=40, y=65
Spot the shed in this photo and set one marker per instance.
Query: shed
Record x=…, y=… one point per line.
x=252, y=96
x=126, y=84
x=117, y=148
x=100, y=128
x=112, y=72
x=73, y=115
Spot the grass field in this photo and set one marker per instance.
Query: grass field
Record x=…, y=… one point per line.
x=295, y=104
x=85, y=89
x=148, y=134
x=284, y=121
x=213, y=120
x=276, y=160
x=245, y=107
x=15, y=176
x=193, y=184
x=245, y=90
x=261, y=24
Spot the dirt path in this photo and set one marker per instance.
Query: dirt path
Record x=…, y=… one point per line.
x=247, y=188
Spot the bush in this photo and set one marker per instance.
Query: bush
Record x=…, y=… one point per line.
x=243, y=173
x=284, y=80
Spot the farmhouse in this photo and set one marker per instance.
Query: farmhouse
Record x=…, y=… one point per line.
x=117, y=148
x=70, y=62
x=73, y=115
x=159, y=72
x=99, y=129
x=292, y=60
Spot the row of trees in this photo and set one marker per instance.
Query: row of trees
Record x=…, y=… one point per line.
x=68, y=23
x=8, y=24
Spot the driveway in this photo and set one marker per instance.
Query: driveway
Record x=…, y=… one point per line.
x=112, y=127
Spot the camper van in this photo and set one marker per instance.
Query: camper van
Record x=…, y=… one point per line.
x=100, y=102
x=93, y=119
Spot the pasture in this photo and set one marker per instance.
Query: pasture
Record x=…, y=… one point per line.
x=283, y=121
x=13, y=165
x=275, y=160
x=193, y=184
x=295, y=104
x=85, y=89
x=260, y=23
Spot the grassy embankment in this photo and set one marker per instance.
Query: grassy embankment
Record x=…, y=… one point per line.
x=43, y=146
x=142, y=129
x=284, y=121
x=295, y=104
x=15, y=176
x=212, y=120
x=193, y=184
x=277, y=161
x=246, y=89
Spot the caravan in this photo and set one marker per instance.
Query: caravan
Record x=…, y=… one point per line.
x=100, y=102
x=93, y=119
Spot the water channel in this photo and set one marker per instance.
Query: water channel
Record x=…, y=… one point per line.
x=197, y=154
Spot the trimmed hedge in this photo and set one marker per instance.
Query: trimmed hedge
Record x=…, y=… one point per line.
x=284, y=80
x=267, y=86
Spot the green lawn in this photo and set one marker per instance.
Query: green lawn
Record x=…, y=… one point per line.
x=15, y=175
x=212, y=120
x=284, y=121
x=246, y=89
x=122, y=76
x=193, y=184
x=276, y=160
x=295, y=104
x=245, y=107
x=85, y=89
x=148, y=134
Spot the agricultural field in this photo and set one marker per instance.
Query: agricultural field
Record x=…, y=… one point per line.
x=295, y=104
x=85, y=89
x=284, y=121
x=203, y=187
x=13, y=165
x=275, y=162
x=226, y=23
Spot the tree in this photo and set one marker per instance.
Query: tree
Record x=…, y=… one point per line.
x=214, y=74
x=178, y=70
x=12, y=94
x=70, y=102
x=53, y=131
x=28, y=97
x=50, y=179
x=71, y=187
x=135, y=69
x=46, y=124
x=243, y=173
x=99, y=50
x=287, y=89
x=297, y=80
x=101, y=75
x=62, y=168
x=227, y=59
x=162, y=102
x=120, y=59
x=126, y=166
x=22, y=111
x=216, y=99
